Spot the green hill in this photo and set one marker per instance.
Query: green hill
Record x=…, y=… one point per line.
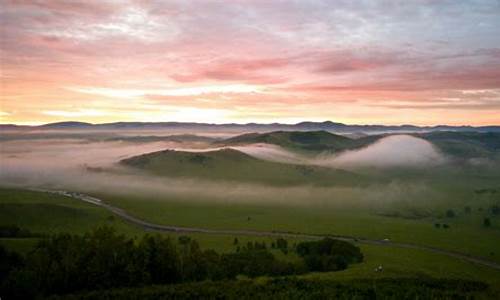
x=309, y=141
x=233, y=165
x=466, y=144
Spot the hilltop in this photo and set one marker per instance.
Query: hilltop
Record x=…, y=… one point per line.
x=302, y=140
x=233, y=165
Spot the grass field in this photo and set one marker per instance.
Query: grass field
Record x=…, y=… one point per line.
x=78, y=217
x=466, y=233
x=49, y=213
x=68, y=215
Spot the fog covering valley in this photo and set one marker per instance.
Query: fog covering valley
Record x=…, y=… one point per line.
x=90, y=162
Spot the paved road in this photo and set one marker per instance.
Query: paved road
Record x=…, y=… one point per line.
x=151, y=226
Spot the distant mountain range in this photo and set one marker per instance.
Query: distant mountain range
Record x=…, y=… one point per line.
x=302, y=126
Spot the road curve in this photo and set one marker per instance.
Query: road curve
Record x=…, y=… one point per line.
x=179, y=229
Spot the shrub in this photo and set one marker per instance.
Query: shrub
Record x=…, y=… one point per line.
x=328, y=254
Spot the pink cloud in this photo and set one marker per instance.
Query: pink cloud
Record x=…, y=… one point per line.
x=246, y=70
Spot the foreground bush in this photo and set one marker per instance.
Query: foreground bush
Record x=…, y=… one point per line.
x=300, y=289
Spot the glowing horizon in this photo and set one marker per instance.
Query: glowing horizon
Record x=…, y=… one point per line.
x=364, y=62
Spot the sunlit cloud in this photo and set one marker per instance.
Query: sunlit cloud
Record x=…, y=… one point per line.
x=265, y=61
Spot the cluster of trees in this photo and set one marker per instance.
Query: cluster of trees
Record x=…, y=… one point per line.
x=328, y=254
x=278, y=244
x=102, y=259
x=290, y=288
x=493, y=209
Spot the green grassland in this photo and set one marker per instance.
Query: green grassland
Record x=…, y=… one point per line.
x=397, y=262
x=466, y=233
x=49, y=213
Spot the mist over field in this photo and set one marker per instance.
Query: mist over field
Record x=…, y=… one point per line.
x=93, y=167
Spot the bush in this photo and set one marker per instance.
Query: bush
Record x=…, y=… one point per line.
x=281, y=243
x=329, y=254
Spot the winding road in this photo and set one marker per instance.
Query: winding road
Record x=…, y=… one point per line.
x=151, y=226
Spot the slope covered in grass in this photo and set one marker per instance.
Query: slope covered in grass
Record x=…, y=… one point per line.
x=316, y=141
x=233, y=165
x=466, y=144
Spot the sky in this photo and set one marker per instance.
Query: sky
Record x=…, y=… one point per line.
x=419, y=62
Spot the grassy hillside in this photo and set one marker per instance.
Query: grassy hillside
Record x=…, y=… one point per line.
x=466, y=144
x=233, y=165
x=316, y=141
x=49, y=213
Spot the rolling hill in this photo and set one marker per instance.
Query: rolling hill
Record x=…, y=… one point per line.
x=466, y=144
x=305, y=141
x=233, y=165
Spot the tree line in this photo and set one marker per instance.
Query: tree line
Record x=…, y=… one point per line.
x=103, y=259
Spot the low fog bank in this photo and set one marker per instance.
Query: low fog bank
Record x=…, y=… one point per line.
x=78, y=165
x=389, y=152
